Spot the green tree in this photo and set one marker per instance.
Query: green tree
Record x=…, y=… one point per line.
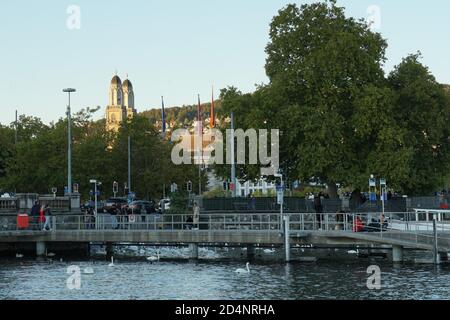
x=421, y=111
x=319, y=60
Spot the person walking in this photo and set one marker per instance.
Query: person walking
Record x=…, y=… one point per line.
x=196, y=216
x=35, y=213
x=48, y=215
x=114, y=213
x=41, y=219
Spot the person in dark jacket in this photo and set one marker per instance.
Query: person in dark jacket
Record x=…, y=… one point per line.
x=34, y=215
x=319, y=209
x=189, y=223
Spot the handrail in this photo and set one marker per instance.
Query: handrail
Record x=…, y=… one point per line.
x=339, y=222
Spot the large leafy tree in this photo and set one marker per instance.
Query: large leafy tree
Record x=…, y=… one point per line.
x=340, y=118
x=318, y=61
x=421, y=113
x=7, y=149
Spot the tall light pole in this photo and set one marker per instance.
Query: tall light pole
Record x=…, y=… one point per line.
x=285, y=217
x=96, y=184
x=233, y=164
x=69, y=143
x=129, y=164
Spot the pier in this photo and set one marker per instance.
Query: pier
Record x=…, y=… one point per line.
x=242, y=230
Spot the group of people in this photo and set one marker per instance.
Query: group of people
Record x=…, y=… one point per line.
x=42, y=215
x=376, y=225
x=358, y=226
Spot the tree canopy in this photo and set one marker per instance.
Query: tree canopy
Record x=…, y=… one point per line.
x=341, y=118
x=39, y=161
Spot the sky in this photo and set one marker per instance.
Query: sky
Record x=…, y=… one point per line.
x=172, y=48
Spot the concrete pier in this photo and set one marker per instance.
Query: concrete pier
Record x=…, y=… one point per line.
x=193, y=254
x=109, y=250
x=397, y=254
x=40, y=248
x=250, y=252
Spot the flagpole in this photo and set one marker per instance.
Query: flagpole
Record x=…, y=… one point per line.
x=163, y=117
x=212, y=121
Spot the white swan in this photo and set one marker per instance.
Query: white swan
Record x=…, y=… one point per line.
x=51, y=254
x=88, y=270
x=154, y=258
x=18, y=255
x=112, y=262
x=242, y=271
x=353, y=251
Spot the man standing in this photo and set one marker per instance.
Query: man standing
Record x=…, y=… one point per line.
x=196, y=216
x=319, y=209
x=48, y=215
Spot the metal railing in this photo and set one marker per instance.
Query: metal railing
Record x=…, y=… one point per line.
x=250, y=221
x=8, y=204
x=151, y=222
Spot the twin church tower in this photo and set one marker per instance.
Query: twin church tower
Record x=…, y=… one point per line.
x=121, y=103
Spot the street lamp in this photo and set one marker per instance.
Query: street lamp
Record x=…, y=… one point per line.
x=69, y=143
x=285, y=217
x=96, y=184
x=383, y=192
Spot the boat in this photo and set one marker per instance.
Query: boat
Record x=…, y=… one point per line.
x=420, y=220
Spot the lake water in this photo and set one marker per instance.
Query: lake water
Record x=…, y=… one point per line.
x=215, y=279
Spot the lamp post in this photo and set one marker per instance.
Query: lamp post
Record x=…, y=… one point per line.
x=233, y=164
x=96, y=184
x=383, y=189
x=285, y=217
x=69, y=143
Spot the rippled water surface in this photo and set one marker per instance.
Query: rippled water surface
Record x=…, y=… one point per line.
x=131, y=279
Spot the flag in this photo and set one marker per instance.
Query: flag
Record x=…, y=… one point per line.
x=163, y=116
x=200, y=119
x=212, y=121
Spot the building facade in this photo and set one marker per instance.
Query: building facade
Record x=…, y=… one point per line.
x=121, y=103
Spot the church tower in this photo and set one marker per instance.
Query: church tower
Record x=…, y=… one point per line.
x=115, y=110
x=128, y=99
x=121, y=103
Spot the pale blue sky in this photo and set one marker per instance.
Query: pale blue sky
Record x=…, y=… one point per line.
x=175, y=48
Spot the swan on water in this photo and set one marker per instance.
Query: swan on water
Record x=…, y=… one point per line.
x=353, y=251
x=112, y=262
x=18, y=255
x=241, y=271
x=49, y=254
x=154, y=258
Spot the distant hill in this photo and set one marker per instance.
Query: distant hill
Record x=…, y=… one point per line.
x=182, y=116
x=447, y=87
